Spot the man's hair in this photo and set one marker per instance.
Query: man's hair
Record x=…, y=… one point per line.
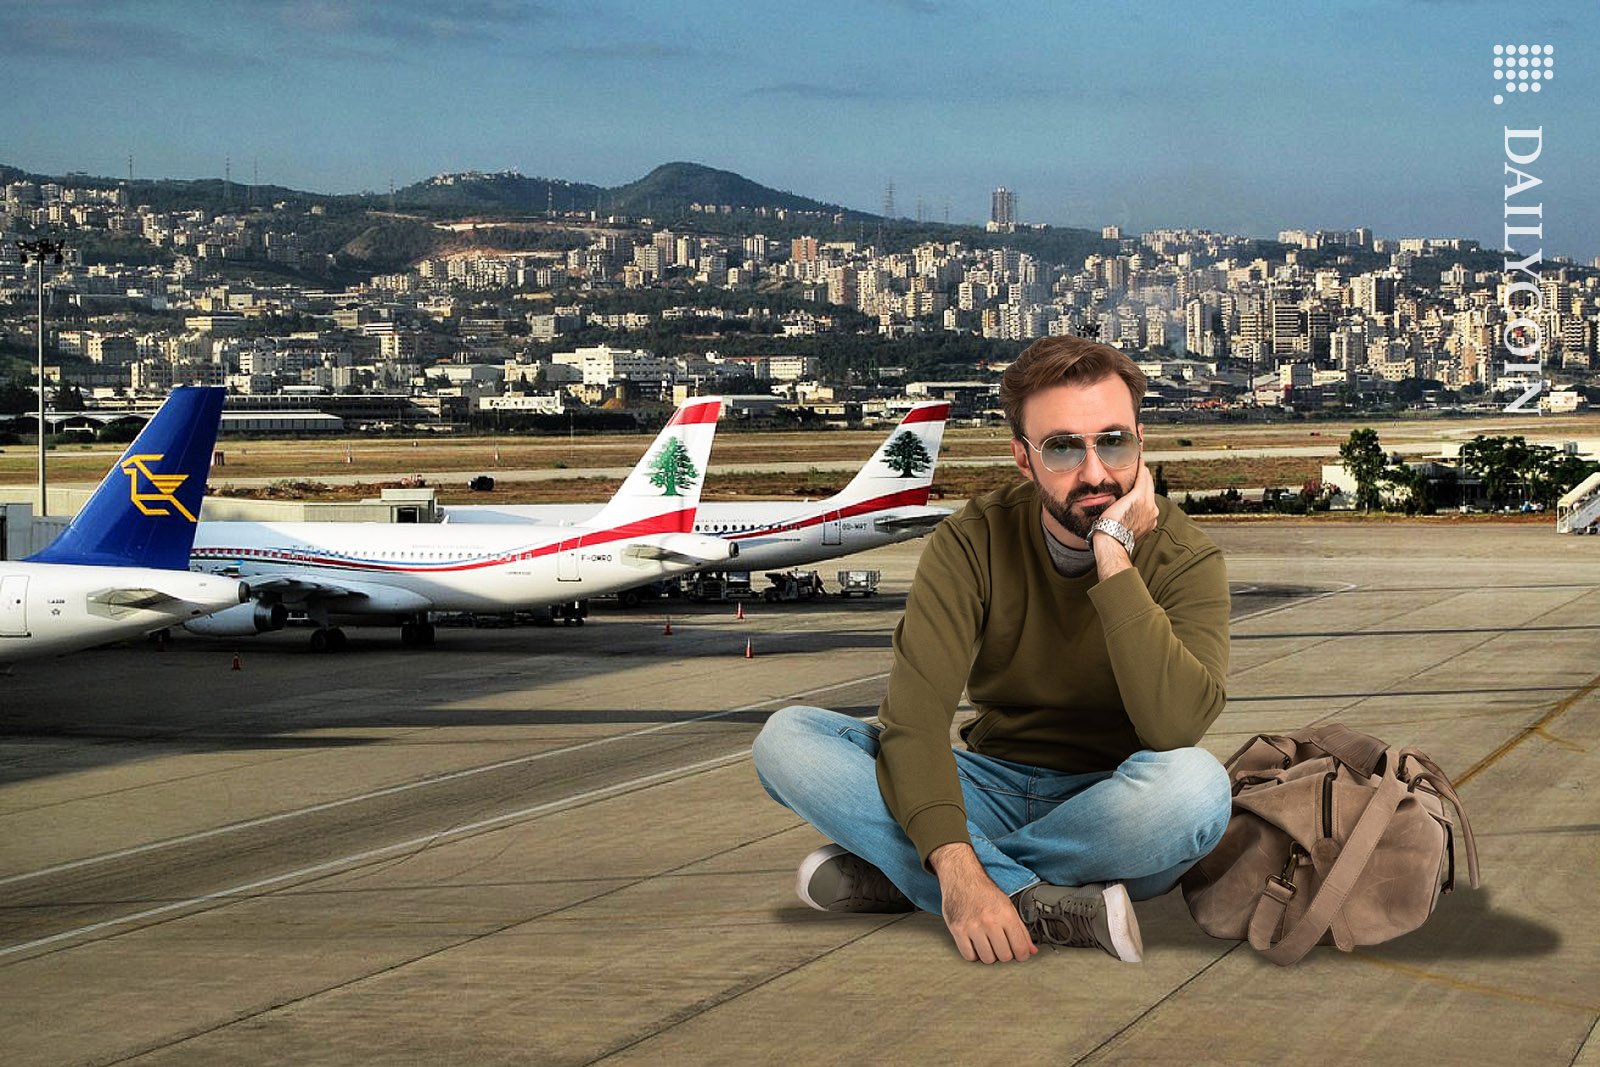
x=1072, y=360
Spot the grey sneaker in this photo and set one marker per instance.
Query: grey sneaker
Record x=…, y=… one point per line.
x=1098, y=915
x=833, y=879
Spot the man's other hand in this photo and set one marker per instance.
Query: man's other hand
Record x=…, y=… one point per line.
x=982, y=919
x=1136, y=509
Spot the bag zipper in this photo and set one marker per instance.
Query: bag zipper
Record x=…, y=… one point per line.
x=1327, y=803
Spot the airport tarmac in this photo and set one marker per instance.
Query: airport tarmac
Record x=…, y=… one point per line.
x=547, y=846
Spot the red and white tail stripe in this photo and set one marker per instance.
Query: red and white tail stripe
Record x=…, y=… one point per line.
x=904, y=464
x=663, y=491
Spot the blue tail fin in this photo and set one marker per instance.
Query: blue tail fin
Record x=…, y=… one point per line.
x=145, y=511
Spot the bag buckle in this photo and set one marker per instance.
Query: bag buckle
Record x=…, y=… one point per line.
x=1285, y=878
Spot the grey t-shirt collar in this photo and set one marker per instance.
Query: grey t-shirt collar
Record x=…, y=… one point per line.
x=1069, y=562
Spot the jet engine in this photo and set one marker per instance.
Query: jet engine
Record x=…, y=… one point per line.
x=245, y=620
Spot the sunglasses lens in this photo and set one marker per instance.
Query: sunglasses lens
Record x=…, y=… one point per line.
x=1118, y=450
x=1062, y=454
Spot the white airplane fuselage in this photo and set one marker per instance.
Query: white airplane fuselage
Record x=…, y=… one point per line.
x=407, y=569
x=49, y=608
x=771, y=536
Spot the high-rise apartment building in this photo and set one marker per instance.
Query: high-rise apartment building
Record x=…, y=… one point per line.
x=1003, y=207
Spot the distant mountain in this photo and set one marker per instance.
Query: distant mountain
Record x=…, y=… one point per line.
x=172, y=194
x=665, y=194
x=672, y=187
x=506, y=191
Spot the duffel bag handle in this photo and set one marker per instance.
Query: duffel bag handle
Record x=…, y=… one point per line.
x=1340, y=881
x=1441, y=782
x=1358, y=751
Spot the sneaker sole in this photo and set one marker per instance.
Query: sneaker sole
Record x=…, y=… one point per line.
x=1125, y=937
x=809, y=867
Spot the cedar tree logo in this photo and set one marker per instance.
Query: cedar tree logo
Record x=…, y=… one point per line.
x=907, y=456
x=672, y=469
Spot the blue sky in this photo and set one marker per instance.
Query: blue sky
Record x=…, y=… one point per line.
x=1240, y=117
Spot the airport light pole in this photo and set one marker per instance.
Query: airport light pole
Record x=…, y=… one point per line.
x=41, y=250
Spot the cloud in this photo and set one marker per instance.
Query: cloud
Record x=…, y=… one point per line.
x=71, y=30
x=408, y=22
x=813, y=91
x=634, y=51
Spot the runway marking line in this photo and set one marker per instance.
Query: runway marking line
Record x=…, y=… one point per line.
x=1561, y=707
x=405, y=787
x=1483, y=988
x=548, y=807
x=357, y=859
x=267, y=820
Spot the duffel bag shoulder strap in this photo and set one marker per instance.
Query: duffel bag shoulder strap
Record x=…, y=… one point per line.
x=1341, y=879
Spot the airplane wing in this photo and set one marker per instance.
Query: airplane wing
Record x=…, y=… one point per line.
x=693, y=550
x=295, y=587
x=299, y=587
x=919, y=521
x=657, y=553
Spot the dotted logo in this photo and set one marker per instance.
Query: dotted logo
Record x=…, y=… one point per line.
x=1523, y=68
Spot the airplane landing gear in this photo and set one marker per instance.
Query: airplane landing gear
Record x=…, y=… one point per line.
x=417, y=634
x=327, y=639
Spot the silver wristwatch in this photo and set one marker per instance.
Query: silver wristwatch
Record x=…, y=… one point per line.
x=1115, y=530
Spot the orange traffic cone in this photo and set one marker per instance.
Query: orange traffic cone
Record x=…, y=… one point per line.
x=749, y=651
x=739, y=614
x=236, y=665
x=667, y=632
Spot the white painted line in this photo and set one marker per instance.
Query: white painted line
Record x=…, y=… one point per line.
x=358, y=858
x=426, y=840
x=267, y=820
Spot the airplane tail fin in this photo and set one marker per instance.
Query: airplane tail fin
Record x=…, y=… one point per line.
x=663, y=492
x=901, y=471
x=145, y=510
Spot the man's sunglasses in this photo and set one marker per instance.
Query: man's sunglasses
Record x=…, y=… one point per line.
x=1065, y=452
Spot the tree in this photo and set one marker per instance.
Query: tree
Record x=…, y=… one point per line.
x=69, y=398
x=1498, y=461
x=1159, y=478
x=906, y=455
x=1551, y=473
x=1415, y=485
x=1363, y=457
x=672, y=468
x=16, y=399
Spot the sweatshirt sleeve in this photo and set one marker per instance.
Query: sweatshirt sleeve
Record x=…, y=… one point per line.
x=933, y=647
x=1169, y=656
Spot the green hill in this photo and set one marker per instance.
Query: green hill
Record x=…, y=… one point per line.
x=673, y=187
x=504, y=193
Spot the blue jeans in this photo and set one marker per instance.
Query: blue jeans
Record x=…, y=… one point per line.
x=1143, y=824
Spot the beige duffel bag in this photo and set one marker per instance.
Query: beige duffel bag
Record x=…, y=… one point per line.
x=1335, y=839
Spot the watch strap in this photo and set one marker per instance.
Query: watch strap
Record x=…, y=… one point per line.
x=1115, y=530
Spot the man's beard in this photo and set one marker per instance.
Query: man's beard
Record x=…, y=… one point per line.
x=1075, y=518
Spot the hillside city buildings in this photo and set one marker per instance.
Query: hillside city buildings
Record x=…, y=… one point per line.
x=1213, y=320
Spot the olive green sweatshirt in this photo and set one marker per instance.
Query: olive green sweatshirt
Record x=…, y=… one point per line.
x=1072, y=674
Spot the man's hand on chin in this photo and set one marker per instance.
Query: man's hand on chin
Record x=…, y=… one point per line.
x=1136, y=509
x=982, y=919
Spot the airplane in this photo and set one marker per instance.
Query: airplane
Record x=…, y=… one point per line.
x=886, y=502
x=121, y=566
x=383, y=574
